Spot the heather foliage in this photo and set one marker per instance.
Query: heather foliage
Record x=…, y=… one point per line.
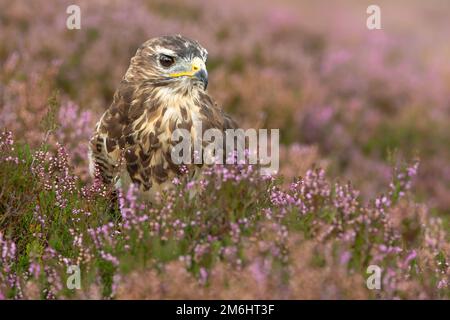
x=363, y=105
x=229, y=215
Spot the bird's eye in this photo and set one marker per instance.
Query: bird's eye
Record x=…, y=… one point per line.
x=166, y=61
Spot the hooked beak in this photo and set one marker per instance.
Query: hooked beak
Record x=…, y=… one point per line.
x=202, y=75
x=198, y=71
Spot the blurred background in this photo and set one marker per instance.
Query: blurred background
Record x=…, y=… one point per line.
x=346, y=98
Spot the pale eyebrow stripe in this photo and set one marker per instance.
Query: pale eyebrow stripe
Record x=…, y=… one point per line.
x=165, y=51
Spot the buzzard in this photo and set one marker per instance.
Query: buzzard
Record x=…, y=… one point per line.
x=164, y=89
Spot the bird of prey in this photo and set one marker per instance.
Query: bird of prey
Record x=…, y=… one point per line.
x=163, y=89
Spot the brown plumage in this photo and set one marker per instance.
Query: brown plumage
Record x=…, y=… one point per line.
x=163, y=89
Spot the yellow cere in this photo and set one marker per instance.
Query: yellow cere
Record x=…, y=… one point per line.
x=197, y=64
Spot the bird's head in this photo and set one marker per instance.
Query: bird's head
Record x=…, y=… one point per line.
x=173, y=61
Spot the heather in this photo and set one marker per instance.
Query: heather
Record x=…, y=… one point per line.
x=370, y=107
